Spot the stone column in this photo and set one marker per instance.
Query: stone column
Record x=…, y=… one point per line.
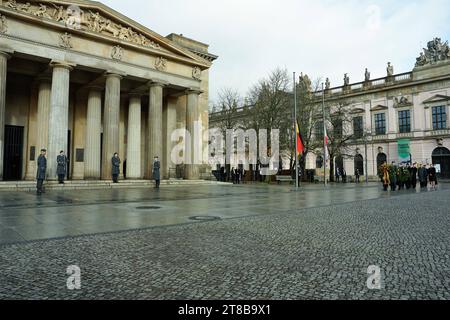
x=111, y=123
x=193, y=155
x=43, y=113
x=169, y=126
x=59, y=115
x=3, y=71
x=92, y=151
x=134, y=138
x=155, y=125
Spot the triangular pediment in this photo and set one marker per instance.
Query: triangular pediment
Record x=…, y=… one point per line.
x=96, y=18
x=379, y=107
x=437, y=98
x=357, y=110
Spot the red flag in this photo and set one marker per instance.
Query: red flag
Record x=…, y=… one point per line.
x=300, y=145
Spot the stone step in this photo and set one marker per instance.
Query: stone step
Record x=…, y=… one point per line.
x=28, y=186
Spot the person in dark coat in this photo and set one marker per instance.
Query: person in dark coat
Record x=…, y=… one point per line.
x=423, y=176
x=432, y=176
x=222, y=174
x=414, y=176
x=156, y=172
x=233, y=175
x=115, y=171
x=61, y=170
x=357, y=176
x=41, y=171
x=393, y=170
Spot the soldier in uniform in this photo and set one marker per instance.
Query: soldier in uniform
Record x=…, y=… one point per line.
x=41, y=171
x=62, y=167
x=115, y=171
x=393, y=176
x=156, y=173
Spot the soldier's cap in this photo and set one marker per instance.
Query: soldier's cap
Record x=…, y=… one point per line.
x=43, y=150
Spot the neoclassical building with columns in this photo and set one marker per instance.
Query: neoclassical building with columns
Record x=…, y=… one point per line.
x=80, y=77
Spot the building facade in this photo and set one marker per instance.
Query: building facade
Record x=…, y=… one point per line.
x=400, y=117
x=80, y=77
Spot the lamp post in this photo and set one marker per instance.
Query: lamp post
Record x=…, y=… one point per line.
x=367, y=134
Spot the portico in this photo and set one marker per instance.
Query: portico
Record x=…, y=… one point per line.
x=102, y=85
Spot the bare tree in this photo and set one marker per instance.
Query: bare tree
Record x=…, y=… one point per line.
x=229, y=106
x=272, y=105
x=308, y=117
x=339, y=119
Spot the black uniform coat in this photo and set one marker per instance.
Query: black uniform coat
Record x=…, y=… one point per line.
x=115, y=166
x=156, y=167
x=41, y=168
x=62, y=165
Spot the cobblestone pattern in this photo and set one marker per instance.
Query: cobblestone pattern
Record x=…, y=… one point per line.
x=319, y=253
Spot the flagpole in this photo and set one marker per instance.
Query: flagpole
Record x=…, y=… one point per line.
x=324, y=137
x=295, y=132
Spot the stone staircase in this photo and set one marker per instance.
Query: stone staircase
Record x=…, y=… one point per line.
x=30, y=186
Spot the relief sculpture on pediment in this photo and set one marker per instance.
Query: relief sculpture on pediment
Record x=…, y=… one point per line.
x=77, y=18
x=3, y=24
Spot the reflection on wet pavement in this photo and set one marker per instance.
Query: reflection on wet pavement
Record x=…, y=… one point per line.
x=25, y=216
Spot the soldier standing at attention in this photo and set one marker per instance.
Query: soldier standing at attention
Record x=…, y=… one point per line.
x=156, y=173
x=41, y=171
x=62, y=167
x=115, y=171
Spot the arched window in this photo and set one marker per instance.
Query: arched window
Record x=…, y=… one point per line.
x=441, y=158
x=359, y=164
x=319, y=162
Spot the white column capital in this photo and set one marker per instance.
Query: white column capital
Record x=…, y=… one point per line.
x=62, y=64
x=157, y=83
x=194, y=91
x=114, y=74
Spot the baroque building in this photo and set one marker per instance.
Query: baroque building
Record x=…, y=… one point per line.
x=400, y=117
x=81, y=77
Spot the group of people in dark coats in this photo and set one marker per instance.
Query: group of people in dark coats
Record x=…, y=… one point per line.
x=115, y=171
x=406, y=176
x=61, y=170
x=237, y=175
x=41, y=175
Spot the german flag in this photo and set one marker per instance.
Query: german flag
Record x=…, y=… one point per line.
x=300, y=144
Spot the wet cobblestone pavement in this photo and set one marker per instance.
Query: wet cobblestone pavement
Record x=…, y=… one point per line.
x=320, y=250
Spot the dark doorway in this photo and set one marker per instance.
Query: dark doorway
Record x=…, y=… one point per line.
x=13, y=153
x=359, y=164
x=340, y=164
x=101, y=153
x=319, y=162
x=69, y=153
x=441, y=156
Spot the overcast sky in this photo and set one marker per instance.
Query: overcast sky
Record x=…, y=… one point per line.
x=323, y=38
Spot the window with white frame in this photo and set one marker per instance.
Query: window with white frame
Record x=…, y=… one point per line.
x=404, y=121
x=439, y=116
x=358, y=127
x=380, y=123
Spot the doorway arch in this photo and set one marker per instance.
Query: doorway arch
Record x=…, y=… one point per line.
x=339, y=164
x=359, y=164
x=441, y=157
